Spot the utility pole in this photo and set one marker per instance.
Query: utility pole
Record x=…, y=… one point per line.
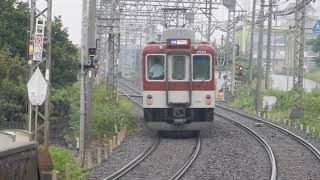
x=88, y=61
x=113, y=25
x=48, y=74
x=83, y=82
x=92, y=49
x=253, y=19
x=297, y=110
x=289, y=52
x=259, y=63
x=40, y=19
x=268, y=60
x=233, y=67
x=31, y=37
x=230, y=40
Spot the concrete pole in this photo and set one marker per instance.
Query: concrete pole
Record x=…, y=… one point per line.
x=31, y=33
x=252, y=39
x=83, y=75
x=233, y=54
x=259, y=63
x=288, y=55
x=227, y=41
x=268, y=60
x=48, y=74
x=91, y=44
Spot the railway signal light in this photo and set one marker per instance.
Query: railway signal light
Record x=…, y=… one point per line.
x=239, y=71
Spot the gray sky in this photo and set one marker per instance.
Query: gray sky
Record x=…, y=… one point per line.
x=70, y=10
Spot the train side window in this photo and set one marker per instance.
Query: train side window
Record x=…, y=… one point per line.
x=155, y=65
x=201, y=67
x=178, y=67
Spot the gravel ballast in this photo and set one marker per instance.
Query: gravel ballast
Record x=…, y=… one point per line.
x=130, y=148
x=228, y=152
x=294, y=160
x=167, y=158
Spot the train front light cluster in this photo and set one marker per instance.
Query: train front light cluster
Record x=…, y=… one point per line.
x=208, y=99
x=149, y=100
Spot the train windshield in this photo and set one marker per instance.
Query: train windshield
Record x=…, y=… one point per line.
x=155, y=65
x=201, y=67
x=178, y=67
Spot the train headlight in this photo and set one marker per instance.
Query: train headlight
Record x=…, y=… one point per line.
x=208, y=99
x=149, y=100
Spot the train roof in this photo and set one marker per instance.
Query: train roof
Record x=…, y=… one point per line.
x=178, y=33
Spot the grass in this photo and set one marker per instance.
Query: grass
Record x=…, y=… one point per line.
x=106, y=113
x=60, y=157
x=281, y=109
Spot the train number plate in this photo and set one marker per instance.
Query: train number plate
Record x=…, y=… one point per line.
x=201, y=52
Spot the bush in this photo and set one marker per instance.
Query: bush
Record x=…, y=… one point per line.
x=106, y=113
x=60, y=157
x=285, y=101
x=12, y=88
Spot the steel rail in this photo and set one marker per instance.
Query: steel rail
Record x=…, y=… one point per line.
x=305, y=143
x=128, y=86
x=273, y=162
x=189, y=162
x=132, y=99
x=134, y=162
x=192, y=157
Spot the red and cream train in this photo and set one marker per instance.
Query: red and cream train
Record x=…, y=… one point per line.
x=178, y=79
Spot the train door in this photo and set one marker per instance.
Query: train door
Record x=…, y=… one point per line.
x=178, y=77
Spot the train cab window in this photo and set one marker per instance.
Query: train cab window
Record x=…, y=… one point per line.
x=178, y=67
x=201, y=67
x=155, y=65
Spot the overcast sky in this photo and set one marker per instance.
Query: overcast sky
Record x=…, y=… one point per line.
x=70, y=10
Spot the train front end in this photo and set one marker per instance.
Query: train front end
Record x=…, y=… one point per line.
x=178, y=83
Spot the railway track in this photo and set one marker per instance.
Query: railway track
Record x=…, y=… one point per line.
x=134, y=95
x=143, y=156
x=189, y=162
x=265, y=145
x=295, y=157
x=291, y=157
x=133, y=163
x=131, y=93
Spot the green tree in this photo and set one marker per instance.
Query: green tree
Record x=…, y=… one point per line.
x=14, y=17
x=12, y=87
x=65, y=56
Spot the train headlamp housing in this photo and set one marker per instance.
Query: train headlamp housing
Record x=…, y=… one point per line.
x=208, y=99
x=149, y=99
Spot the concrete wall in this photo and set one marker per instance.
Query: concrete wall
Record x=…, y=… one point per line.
x=18, y=161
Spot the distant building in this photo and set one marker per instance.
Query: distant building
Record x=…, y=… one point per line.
x=282, y=41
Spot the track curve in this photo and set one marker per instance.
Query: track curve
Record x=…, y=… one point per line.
x=296, y=158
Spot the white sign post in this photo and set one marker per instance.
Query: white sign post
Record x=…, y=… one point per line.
x=38, y=40
x=37, y=92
